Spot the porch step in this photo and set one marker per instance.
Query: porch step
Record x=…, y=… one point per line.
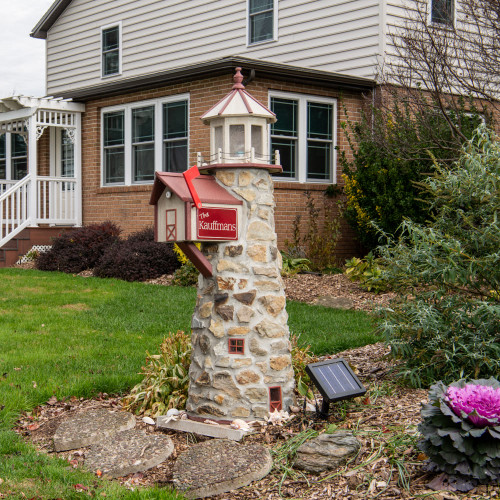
x=25, y=240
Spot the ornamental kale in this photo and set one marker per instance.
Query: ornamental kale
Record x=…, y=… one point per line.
x=480, y=404
x=461, y=431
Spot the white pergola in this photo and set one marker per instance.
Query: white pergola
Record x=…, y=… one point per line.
x=36, y=199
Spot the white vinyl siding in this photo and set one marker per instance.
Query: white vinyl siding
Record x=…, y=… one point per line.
x=329, y=35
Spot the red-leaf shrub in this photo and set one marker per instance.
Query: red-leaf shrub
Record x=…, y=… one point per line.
x=137, y=258
x=75, y=251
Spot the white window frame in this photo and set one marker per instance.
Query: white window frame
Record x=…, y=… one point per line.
x=120, y=47
x=9, y=158
x=443, y=25
x=301, y=170
x=275, y=26
x=158, y=141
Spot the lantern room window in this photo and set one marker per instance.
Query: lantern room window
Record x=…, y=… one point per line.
x=236, y=346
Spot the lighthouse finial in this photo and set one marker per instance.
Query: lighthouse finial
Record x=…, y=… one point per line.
x=238, y=79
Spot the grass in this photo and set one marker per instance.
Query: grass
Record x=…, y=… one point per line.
x=330, y=330
x=65, y=335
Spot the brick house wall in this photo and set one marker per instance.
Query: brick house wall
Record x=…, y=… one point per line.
x=128, y=206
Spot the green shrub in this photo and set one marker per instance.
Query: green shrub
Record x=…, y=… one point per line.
x=294, y=265
x=80, y=249
x=445, y=323
x=137, y=258
x=166, y=378
x=186, y=275
x=392, y=152
x=368, y=272
x=461, y=431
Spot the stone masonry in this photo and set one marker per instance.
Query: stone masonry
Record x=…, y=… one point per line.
x=243, y=300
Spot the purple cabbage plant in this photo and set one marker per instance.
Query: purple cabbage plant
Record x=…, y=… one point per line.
x=461, y=431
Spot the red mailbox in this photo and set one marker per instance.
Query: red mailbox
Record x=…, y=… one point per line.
x=177, y=219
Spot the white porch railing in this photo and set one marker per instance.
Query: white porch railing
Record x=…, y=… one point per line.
x=55, y=204
x=56, y=200
x=5, y=184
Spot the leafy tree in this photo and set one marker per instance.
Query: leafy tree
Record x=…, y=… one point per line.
x=445, y=323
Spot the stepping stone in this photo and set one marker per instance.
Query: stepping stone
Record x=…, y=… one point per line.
x=86, y=428
x=326, y=452
x=128, y=452
x=220, y=465
x=335, y=302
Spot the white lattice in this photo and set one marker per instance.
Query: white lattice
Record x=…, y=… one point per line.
x=35, y=249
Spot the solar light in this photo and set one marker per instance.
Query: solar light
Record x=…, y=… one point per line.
x=335, y=381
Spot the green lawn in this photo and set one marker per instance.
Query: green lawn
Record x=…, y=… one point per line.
x=65, y=335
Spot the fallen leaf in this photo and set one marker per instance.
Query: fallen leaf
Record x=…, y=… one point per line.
x=52, y=401
x=33, y=427
x=79, y=487
x=98, y=473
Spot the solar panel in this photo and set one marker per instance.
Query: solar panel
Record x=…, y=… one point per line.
x=335, y=380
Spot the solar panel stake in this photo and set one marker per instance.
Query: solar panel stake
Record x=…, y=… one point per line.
x=325, y=409
x=335, y=381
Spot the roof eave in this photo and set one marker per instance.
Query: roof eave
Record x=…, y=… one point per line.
x=218, y=67
x=49, y=18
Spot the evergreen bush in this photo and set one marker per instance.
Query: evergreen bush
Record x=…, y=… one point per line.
x=392, y=152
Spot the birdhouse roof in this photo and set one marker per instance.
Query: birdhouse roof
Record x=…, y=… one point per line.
x=238, y=103
x=206, y=186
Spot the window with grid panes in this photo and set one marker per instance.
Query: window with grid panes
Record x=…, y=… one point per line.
x=114, y=147
x=175, y=133
x=442, y=11
x=19, y=157
x=111, y=51
x=67, y=156
x=304, y=134
x=143, y=144
x=141, y=139
x=260, y=20
x=13, y=157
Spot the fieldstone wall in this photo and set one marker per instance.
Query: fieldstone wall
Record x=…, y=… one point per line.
x=245, y=299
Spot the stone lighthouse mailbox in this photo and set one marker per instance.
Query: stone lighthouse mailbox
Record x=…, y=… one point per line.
x=241, y=365
x=178, y=219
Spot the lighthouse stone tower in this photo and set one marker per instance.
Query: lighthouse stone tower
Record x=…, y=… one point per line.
x=241, y=365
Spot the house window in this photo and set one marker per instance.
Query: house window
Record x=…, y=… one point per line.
x=261, y=20
x=442, y=11
x=111, y=57
x=175, y=133
x=141, y=138
x=13, y=157
x=305, y=135
x=236, y=346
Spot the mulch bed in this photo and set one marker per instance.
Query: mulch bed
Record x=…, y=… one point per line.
x=389, y=466
x=384, y=422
